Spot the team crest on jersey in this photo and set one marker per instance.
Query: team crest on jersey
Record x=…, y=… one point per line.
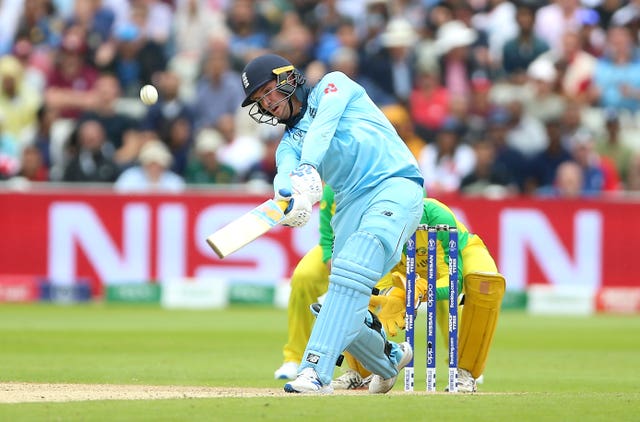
x=297, y=135
x=330, y=88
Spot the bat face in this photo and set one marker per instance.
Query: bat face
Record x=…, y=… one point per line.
x=247, y=228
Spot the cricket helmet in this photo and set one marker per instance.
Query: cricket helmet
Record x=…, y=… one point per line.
x=262, y=69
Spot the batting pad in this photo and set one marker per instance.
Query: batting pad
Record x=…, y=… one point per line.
x=371, y=348
x=483, y=294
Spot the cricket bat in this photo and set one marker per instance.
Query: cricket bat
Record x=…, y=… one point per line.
x=247, y=228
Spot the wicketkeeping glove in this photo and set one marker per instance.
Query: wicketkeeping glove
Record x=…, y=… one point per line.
x=298, y=212
x=392, y=303
x=305, y=180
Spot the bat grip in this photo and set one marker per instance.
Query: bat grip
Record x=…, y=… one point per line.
x=285, y=206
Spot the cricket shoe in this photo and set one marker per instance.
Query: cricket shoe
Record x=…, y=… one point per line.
x=287, y=371
x=308, y=382
x=351, y=380
x=466, y=383
x=379, y=385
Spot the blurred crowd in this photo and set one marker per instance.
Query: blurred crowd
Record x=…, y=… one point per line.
x=493, y=97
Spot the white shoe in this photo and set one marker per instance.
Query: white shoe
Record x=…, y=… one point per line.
x=307, y=381
x=287, y=371
x=380, y=385
x=466, y=382
x=351, y=380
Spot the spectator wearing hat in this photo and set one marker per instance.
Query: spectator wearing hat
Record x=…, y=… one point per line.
x=544, y=103
x=203, y=166
x=19, y=102
x=519, y=52
x=152, y=174
x=457, y=63
x=392, y=67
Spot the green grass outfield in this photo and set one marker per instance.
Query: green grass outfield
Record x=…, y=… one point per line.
x=540, y=368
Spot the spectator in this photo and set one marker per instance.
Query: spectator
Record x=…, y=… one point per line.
x=10, y=12
x=132, y=57
x=599, y=173
x=568, y=182
x=9, y=154
x=519, y=52
x=612, y=147
x=204, y=166
x=239, y=151
x=429, y=102
x=345, y=60
x=544, y=103
x=120, y=128
x=499, y=23
x=391, y=68
x=543, y=165
x=576, y=67
x=498, y=125
x=249, y=35
x=457, y=63
x=264, y=171
x=616, y=79
x=72, y=78
x=42, y=137
x=171, y=120
x=93, y=161
x=32, y=165
x=19, y=102
x=445, y=162
x=553, y=19
x=152, y=174
x=633, y=176
x=527, y=133
x=399, y=117
x=218, y=90
x=488, y=177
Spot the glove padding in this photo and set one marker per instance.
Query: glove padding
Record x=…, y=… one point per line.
x=298, y=212
x=306, y=181
x=392, y=303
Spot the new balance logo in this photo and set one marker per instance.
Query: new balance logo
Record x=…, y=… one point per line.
x=311, y=358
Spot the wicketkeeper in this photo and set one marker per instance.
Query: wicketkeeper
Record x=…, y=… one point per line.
x=479, y=280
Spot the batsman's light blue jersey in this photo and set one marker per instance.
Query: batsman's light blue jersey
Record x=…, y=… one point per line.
x=346, y=137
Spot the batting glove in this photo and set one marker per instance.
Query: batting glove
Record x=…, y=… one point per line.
x=305, y=180
x=298, y=212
